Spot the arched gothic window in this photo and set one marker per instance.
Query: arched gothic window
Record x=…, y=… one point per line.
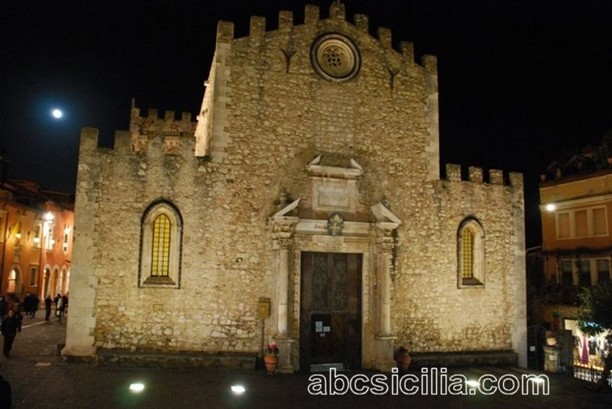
x=470, y=254
x=160, y=248
x=160, y=253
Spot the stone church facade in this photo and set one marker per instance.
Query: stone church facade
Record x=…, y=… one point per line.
x=304, y=206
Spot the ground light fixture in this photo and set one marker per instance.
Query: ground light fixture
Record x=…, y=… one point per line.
x=137, y=387
x=472, y=383
x=238, y=389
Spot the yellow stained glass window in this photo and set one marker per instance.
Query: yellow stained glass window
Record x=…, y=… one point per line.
x=160, y=263
x=467, y=254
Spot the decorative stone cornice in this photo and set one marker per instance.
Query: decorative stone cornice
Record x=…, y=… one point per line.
x=283, y=227
x=385, y=219
x=385, y=244
x=286, y=210
x=333, y=171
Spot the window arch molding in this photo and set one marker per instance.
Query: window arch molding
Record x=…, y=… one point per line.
x=161, y=237
x=470, y=254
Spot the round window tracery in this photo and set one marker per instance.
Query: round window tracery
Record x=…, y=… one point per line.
x=335, y=57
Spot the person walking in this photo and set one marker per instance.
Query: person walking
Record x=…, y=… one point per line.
x=35, y=303
x=11, y=325
x=60, y=308
x=48, y=305
x=6, y=400
x=26, y=304
x=65, y=300
x=3, y=308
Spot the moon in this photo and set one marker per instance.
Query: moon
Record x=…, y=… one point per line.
x=57, y=113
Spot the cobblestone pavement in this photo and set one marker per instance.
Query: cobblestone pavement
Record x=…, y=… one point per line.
x=41, y=379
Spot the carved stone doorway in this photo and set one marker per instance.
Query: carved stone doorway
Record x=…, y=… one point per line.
x=330, y=316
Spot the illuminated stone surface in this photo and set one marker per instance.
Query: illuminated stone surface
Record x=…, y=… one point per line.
x=272, y=131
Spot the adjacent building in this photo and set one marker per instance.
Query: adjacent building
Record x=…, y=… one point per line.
x=305, y=206
x=576, y=203
x=36, y=240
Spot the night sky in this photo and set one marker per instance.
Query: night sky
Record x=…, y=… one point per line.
x=521, y=81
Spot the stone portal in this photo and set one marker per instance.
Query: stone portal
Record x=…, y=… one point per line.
x=333, y=275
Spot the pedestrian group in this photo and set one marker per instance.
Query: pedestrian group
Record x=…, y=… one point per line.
x=11, y=317
x=12, y=312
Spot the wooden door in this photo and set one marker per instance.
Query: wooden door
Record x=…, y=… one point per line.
x=330, y=316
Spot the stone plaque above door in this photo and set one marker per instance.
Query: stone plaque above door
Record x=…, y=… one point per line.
x=334, y=188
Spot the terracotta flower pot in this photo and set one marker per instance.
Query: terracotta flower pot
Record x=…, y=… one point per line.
x=404, y=361
x=271, y=363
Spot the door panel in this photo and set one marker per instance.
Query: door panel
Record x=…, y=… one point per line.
x=330, y=316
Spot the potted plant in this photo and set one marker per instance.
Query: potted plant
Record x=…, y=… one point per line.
x=403, y=359
x=271, y=357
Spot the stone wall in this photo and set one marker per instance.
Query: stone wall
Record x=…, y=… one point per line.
x=431, y=313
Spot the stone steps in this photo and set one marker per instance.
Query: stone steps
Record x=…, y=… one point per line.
x=179, y=360
x=464, y=359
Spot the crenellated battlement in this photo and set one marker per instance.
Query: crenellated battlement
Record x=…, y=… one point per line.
x=312, y=17
x=168, y=124
x=476, y=175
x=171, y=128
x=175, y=133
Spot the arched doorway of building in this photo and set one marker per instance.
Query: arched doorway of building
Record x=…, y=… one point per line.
x=14, y=281
x=64, y=282
x=55, y=282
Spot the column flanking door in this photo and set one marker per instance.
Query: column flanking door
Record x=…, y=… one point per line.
x=330, y=309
